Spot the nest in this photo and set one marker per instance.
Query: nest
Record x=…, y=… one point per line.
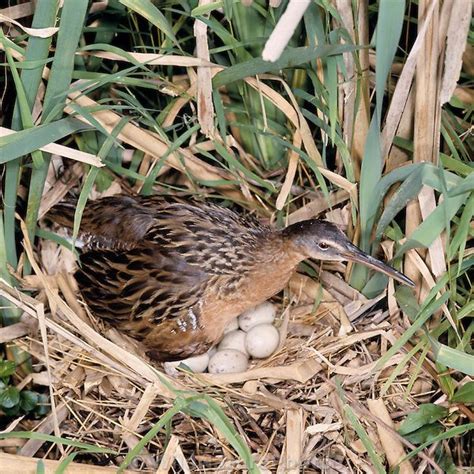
x=294, y=410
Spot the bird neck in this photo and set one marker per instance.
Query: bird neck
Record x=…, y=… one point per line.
x=279, y=251
x=270, y=265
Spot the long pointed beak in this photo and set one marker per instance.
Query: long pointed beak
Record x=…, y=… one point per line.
x=355, y=254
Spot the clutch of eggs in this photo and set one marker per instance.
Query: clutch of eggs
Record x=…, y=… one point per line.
x=251, y=335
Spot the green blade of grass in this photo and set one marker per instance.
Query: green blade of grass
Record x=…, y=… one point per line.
x=332, y=81
x=92, y=175
x=47, y=235
x=55, y=439
x=212, y=412
x=70, y=30
x=451, y=433
x=4, y=273
x=399, y=368
x=453, y=358
x=369, y=202
x=359, y=429
x=22, y=101
x=421, y=318
x=292, y=57
x=237, y=165
x=153, y=173
x=37, y=50
x=389, y=26
x=164, y=419
x=26, y=141
x=434, y=224
x=206, y=8
x=408, y=190
x=338, y=140
x=467, y=310
x=40, y=467
x=149, y=11
x=364, y=437
x=9, y=313
x=460, y=238
x=389, y=29
x=63, y=465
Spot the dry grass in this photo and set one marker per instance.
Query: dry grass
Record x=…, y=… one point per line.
x=105, y=394
x=110, y=401
x=334, y=394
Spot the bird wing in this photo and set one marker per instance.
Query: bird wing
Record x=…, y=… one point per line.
x=152, y=259
x=115, y=222
x=167, y=272
x=144, y=283
x=121, y=222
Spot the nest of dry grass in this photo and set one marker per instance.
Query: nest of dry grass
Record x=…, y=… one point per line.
x=293, y=409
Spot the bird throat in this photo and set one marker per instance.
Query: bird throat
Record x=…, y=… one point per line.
x=273, y=265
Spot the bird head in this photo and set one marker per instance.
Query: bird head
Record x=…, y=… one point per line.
x=323, y=240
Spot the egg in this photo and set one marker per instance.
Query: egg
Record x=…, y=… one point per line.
x=231, y=326
x=234, y=340
x=261, y=314
x=197, y=364
x=228, y=361
x=262, y=340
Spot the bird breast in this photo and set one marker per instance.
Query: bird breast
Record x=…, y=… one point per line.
x=268, y=274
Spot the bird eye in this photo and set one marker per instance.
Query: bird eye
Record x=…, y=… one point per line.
x=323, y=245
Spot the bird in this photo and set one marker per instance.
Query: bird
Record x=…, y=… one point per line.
x=173, y=272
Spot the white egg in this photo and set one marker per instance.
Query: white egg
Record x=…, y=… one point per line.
x=197, y=364
x=231, y=326
x=261, y=314
x=234, y=340
x=262, y=340
x=228, y=361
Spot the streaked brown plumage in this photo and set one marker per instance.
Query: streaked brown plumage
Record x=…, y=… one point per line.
x=172, y=274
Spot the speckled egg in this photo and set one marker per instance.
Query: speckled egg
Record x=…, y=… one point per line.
x=228, y=361
x=234, y=340
x=262, y=314
x=262, y=340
